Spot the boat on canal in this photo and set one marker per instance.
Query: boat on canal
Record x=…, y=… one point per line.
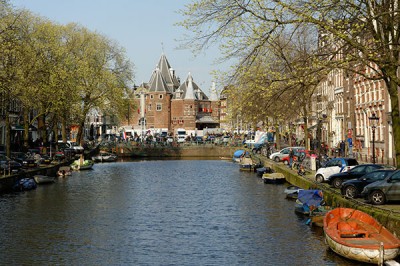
x=358, y=236
x=43, y=179
x=274, y=178
x=308, y=200
x=84, y=165
x=105, y=157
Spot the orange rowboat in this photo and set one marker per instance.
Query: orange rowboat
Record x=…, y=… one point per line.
x=356, y=235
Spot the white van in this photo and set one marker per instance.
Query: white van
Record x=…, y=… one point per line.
x=181, y=134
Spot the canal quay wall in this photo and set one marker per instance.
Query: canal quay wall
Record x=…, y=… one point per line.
x=387, y=215
x=201, y=150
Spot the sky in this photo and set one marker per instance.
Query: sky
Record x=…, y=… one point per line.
x=145, y=28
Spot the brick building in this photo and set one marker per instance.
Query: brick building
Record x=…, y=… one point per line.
x=164, y=103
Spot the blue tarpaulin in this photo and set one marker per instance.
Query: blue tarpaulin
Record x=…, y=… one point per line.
x=310, y=197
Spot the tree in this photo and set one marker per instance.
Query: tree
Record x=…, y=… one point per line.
x=366, y=31
x=102, y=74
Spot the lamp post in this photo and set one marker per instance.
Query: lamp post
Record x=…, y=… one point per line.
x=373, y=120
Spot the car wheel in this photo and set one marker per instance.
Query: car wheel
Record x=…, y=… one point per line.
x=337, y=182
x=276, y=159
x=377, y=197
x=319, y=178
x=350, y=192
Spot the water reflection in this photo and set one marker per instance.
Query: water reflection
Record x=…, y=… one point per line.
x=160, y=212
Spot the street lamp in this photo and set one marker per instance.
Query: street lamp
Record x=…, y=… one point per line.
x=373, y=120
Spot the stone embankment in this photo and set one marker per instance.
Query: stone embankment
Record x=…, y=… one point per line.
x=388, y=215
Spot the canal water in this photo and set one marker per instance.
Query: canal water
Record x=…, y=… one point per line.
x=158, y=212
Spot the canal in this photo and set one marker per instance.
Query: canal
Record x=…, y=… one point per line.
x=158, y=212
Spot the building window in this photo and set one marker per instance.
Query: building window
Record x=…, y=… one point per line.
x=160, y=96
x=149, y=107
x=159, y=107
x=152, y=96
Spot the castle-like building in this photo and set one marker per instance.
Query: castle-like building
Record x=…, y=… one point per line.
x=164, y=103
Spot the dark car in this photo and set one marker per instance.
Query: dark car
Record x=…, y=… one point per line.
x=7, y=165
x=24, y=159
x=337, y=179
x=199, y=139
x=352, y=188
x=380, y=192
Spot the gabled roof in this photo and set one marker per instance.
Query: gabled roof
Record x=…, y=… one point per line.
x=157, y=82
x=189, y=88
x=168, y=73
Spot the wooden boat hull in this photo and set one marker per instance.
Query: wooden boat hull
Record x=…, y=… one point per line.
x=274, y=178
x=361, y=254
x=43, y=179
x=358, y=236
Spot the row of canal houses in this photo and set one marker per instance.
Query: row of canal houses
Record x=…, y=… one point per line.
x=342, y=108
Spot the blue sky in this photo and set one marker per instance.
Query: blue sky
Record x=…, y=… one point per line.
x=145, y=28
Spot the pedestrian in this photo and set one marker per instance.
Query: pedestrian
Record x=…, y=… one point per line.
x=342, y=148
x=291, y=156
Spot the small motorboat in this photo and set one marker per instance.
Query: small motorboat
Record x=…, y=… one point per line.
x=24, y=184
x=84, y=165
x=274, y=178
x=43, y=179
x=105, y=157
x=358, y=236
x=64, y=171
x=237, y=155
x=264, y=170
x=246, y=163
x=292, y=192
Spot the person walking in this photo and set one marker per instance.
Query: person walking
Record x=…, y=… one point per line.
x=291, y=156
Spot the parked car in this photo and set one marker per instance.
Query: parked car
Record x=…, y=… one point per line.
x=8, y=165
x=277, y=156
x=380, y=192
x=352, y=188
x=334, y=166
x=25, y=160
x=298, y=155
x=199, y=139
x=336, y=180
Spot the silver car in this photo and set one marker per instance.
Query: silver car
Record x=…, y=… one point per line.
x=277, y=156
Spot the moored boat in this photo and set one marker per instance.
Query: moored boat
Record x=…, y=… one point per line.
x=274, y=178
x=237, y=155
x=105, y=157
x=358, y=236
x=43, y=179
x=84, y=165
x=24, y=184
x=308, y=200
x=292, y=192
x=64, y=171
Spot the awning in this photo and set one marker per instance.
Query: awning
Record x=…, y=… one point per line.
x=206, y=120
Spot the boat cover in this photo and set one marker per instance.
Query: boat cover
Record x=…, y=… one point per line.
x=310, y=197
x=238, y=153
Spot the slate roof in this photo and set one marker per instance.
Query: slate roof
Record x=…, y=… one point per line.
x=168, y=73
x=157, y=82
x=190, y=90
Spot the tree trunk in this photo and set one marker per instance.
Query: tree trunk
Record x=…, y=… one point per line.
x=8, y=133
x=394, y=98
x=26, y=129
